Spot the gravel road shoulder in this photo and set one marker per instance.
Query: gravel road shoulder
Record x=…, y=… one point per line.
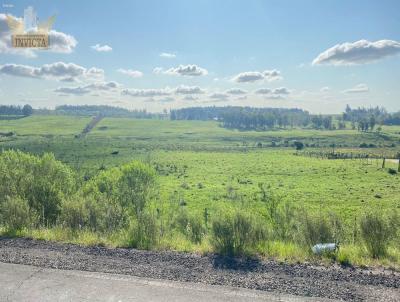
x=295, y=279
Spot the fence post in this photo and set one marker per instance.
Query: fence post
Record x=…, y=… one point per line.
x=383, y=163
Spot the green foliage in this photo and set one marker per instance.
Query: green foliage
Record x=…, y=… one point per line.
x=189, y=225
x=298, y=145
x=315, y=229
x=232, y=234
x=15, y=214
x=42, y=181
x=376, y=231
x=144, y=231
x=284, y=223
x=74, y=214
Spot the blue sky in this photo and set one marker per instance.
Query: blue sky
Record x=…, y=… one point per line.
x=315, y=55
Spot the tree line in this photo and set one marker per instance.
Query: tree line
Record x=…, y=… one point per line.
x=245, y=117
x=256, y=118
x=366, y=119
x=25, y=110
x=102, y=110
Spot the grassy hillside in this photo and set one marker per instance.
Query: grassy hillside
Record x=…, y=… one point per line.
x=203, y=167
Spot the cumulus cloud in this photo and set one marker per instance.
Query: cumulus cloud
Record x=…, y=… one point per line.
x=236, y=91
x=183, y=70
x=276, y=93
x=281, y=90
x=167, y=55
x=360, y=88
x=131, y=73
x=86, y=89
x=146, y=92
x=359, y=52
x=221, y=96
x=188, y=90
x=59, y=42
x=61, y=71
x=101, y=48
x=325, y=89
x=254, y=76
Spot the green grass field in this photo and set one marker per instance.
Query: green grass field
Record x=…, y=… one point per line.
x=204, y=166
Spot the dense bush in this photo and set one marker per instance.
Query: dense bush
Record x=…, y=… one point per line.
x=42, y=181
x=136, y=185
x=376, y=231
x=232, y=234
x=15, y=214
x=132, y=186
x=74, y=214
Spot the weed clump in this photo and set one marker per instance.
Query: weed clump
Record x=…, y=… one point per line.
x=232, y=234
x=376, y=232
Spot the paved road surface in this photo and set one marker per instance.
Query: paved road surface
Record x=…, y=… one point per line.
x=30, y=283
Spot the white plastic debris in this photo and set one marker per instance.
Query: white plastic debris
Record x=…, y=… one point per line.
x=321, y=248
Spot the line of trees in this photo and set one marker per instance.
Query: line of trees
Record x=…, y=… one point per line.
x=26, y=110
x=102, y=110
x=245, y=117
x=366, y=119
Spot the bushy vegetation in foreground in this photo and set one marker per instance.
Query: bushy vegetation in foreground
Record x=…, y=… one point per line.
x=122, y=206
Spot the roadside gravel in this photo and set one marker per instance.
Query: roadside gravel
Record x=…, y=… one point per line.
x=332, y=282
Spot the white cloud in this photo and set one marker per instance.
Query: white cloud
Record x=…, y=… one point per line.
x=146, y=92
x=185, y=70
x=102, y=48
x=276, y=93
x=281, y=90
x=86, y=89
x=236, y=91
x=167, y=55
x=158, y=70
x=131, y=73
x=325, y=89
x=61, y=71
x=359, y=52
x=59, y=41
x=254, y=76
x=188, y=90
x=360, y=88
x=218, y=96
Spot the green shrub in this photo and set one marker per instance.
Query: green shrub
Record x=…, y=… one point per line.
x=132, y=186
x=15, y=214
x=233, y=234
x=376, y=231
x=145, y=231
x=136, y=185
x=96, y=213
x=42, y=181
x=74, y=214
